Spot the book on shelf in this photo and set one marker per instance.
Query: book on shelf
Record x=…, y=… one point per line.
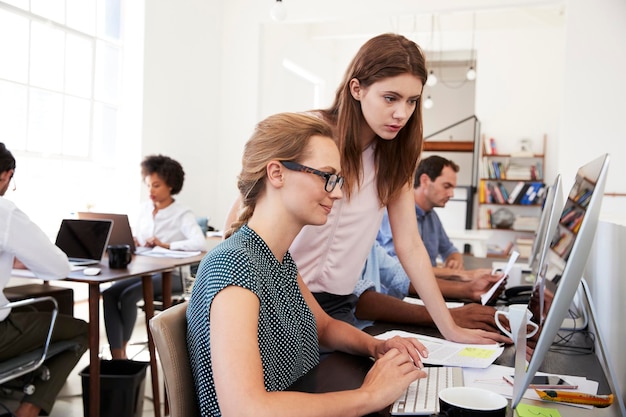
x=526, y=223
x=492, y=146
x=524, y=246
x=496, y=194
x=517, y=189
x=572, y=220
x=562, y=244
x=518, y=172
x=504, y=192
x=482, y=195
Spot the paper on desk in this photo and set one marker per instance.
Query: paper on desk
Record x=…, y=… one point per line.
x=159, y=252
x=443, y=352
x=491, y=379
x=484, y=298
x=419, y=302
x=25, y=273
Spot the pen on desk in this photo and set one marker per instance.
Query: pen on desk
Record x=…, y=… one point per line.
x=575, y=397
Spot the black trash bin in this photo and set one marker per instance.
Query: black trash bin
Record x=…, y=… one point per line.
x=122, y=384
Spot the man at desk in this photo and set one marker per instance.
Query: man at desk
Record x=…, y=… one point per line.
x=433, y=186
x=21, y=332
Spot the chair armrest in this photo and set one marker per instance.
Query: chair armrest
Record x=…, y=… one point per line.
x=34, y=364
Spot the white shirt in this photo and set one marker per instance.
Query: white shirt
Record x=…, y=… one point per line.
x=21, y=238
x=175, y=224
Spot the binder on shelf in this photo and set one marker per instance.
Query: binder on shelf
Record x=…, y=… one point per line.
x=516, y=191
x=522, y=193
x=531, y=193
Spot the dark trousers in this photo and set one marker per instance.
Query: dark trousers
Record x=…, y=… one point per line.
x=25, y=331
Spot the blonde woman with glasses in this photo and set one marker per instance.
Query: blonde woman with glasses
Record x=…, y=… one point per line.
x=253, y=326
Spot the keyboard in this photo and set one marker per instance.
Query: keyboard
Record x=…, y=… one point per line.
x=422, y=396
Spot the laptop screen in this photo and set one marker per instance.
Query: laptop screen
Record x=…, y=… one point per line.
x=121, y=234
x=84, y=239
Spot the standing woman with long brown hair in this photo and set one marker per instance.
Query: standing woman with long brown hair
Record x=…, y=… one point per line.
x=377, y=125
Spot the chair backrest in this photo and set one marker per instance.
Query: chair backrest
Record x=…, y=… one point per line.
x=169, y=330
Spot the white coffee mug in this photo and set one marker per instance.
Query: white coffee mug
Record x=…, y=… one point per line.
x=518, y=315
x=471, y=402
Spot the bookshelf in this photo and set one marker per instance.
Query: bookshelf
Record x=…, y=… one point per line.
x=511, y=190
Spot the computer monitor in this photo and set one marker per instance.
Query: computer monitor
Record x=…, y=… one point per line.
x=552, y=205
x=560, y=274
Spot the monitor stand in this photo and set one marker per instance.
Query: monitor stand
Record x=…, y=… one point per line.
x=605, y=358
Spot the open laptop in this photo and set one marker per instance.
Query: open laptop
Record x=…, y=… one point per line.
x=121, y=234
x=84, y=241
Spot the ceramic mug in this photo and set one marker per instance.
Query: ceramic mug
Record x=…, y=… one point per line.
x=518, y=315
x=471, y=402
x=119, y=256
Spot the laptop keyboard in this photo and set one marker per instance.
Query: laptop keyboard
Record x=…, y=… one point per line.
x=422, y=396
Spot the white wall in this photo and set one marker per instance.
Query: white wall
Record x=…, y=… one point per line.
x=203, y=91
x=182, y=90
x=592, y=120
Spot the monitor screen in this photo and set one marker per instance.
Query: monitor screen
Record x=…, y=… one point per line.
x=552, y=205
x=561, y=271
x=83, y=239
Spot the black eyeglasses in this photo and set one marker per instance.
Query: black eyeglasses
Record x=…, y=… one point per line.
x=332, y=180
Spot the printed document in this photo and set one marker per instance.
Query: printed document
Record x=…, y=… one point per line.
x=446, y=353
x=159, y=252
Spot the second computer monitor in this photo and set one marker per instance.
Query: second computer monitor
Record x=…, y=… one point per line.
x=561, y=272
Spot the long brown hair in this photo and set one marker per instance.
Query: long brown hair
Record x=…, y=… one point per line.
x=383, y=56
x=281, y=137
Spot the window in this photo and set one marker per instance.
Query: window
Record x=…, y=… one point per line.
x=60, y=77
x=66, y=114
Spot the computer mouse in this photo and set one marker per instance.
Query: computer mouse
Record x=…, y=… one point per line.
x=91, y=271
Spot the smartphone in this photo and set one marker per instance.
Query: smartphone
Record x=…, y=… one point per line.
x=545, y=382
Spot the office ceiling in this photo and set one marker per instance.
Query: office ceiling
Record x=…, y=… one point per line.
x=435, y=24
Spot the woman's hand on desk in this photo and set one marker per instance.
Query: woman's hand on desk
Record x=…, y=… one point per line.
x=407, y=345
x=389, y=377
x=154, y=241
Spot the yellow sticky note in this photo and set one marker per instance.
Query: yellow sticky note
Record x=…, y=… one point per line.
x=473, y=352
x=525, y=410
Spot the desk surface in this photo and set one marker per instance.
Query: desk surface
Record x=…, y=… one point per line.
x=341, y=371
x=138, y=266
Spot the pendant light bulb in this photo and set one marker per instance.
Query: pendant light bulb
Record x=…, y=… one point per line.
x=432, y=79
x=278, y=11
x=471, y=74
x=428, y=103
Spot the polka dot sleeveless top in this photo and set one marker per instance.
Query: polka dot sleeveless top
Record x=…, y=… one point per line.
x=287, y=332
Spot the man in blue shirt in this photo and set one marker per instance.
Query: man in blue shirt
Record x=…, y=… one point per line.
x=433, y=186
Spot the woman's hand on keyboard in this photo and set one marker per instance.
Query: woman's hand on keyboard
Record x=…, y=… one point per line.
x=407, y=345
x=389, y=377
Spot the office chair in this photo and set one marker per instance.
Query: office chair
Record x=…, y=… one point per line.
x=31, y=363
x=169, y=330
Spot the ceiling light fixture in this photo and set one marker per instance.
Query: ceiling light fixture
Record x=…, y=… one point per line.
x=431, y=81
x=428, y=103
x=471, y=72
x=278, y=11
